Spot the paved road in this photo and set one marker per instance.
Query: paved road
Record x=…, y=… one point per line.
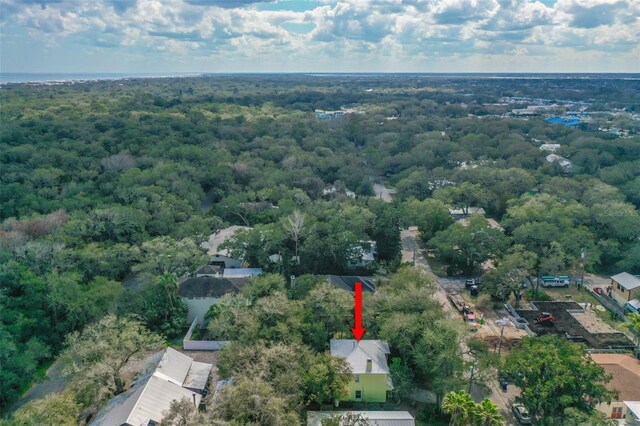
x=411, y=252
x=383, y=193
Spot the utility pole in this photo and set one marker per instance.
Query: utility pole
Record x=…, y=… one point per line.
x=502, y=323
x=582, y=254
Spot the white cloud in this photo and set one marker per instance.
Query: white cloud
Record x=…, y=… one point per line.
x=405, y=31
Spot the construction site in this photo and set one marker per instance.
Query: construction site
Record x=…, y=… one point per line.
x=573, y=322
x=496, y=328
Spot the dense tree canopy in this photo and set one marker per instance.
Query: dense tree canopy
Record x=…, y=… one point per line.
x=105, y=185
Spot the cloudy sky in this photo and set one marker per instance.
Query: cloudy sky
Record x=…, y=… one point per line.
x=166, y=36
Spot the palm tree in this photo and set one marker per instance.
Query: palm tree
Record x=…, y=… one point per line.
x=169, y=283
x=487, y=413
x=460, y=406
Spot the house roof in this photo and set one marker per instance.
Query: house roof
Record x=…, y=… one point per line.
x=625, y=370
x=174, y=366
x=208, y=269
x=471, y=210
x=627, y=280
x=634, y=407
x=197, y=376
x=214, y=241
x=210, y=286
x=377, y=418
x=357, y=353
x=241, y=272
x=152, y=395
x=348, y=282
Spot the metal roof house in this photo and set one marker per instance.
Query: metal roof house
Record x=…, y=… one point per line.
x=368, y=361
x=176, y=376
x=377, y=418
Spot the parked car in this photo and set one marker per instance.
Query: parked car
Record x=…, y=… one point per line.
x=470, y=318
x=521, y=413
x=474, y=281
x=598, y=290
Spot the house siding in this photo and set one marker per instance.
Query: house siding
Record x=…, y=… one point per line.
x=198, y=306
x=622, y=295
x=372, y=386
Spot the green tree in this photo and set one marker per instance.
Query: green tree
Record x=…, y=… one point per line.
x=430, y=216
x=253, y=402
x=575, y=417
x=487, y=413
x=181, y=413
x=347, y=419
x=164, y=255
x=511, y=272
x=328, y=311
x=160, y=307
x=326, y=379
x=465, y=412
x=634, y=327
x=264, y=285
x=385, y=230
x=402, y=376
x=554, y=375
x=467, y=247
x=96, y=357
x=54, y=409
x=463, y=196
x=460, y=406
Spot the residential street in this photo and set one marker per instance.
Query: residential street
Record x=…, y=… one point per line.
x=411, y=252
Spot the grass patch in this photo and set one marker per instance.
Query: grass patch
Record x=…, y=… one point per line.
x=540, y=296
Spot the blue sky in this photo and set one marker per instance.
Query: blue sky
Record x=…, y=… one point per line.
x=164, y=36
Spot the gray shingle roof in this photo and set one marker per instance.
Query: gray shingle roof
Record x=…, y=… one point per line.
x=210, y=286
x=348, y=282
x=627, y=280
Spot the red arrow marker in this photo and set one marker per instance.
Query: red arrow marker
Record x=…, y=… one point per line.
x=358, y=331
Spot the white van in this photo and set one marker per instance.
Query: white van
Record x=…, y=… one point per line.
x=555, y=281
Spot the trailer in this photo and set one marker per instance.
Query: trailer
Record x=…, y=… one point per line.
x=457, y=301
x=468, y=315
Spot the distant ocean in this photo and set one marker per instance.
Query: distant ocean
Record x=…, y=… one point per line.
x=44, y=78
x=10, y=77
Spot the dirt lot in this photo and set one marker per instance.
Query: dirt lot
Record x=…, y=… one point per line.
x=567, y=326
x=592, y=323
x=489, y=329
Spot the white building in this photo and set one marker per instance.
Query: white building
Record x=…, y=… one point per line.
x=362, y=254
x=200, y=293
x=176, y=376
x=551, y=147
x=633, y=413
x=222, y=257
